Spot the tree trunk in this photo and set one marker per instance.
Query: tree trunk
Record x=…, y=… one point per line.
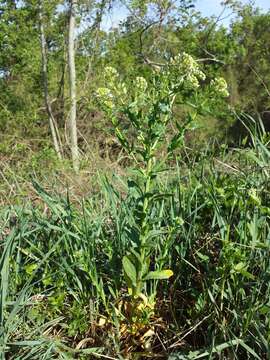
x=72, y=126
x=52, y=122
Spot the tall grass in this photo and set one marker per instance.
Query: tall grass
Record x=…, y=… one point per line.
x=62, y=287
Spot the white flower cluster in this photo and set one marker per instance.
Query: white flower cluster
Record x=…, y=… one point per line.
x=110, y=73
x=115, y=92
x=141, y=83
x=189, y=69
x=105, y=97
x=220, y=85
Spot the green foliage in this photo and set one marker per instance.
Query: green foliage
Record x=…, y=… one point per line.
x=132, y=48
x=63, y=265
x=81, y=278
x=148, y=107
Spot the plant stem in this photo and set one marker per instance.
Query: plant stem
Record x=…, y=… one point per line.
x=143, y=234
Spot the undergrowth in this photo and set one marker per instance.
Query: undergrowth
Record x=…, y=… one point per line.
x=63, y=293
x=168, y=260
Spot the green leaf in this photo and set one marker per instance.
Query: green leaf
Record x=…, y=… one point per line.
x=163, y=196
x=129, y=270
x=241, y=268
x=159, y=275
x=176, y=141
x=247, y=274
x=202, y=256
x=30, y=268
x=249, y=349
x=264, y=309
x=164, y=108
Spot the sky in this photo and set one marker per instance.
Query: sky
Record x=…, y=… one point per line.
x=206, y=7
x=213, y=7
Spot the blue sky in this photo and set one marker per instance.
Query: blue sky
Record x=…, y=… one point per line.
x=207, y=8
x=214, y=7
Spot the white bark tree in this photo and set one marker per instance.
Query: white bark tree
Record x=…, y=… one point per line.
x=52, y=122
x=72, y=123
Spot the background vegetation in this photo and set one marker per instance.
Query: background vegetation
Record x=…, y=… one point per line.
x=74, y=229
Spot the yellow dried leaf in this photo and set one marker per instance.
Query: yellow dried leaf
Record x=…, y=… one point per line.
x=102, y=321
x=148, y=333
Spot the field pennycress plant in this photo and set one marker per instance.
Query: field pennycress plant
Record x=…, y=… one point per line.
x=145, y=109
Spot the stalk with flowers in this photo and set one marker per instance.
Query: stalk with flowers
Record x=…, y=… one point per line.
x=148, y=108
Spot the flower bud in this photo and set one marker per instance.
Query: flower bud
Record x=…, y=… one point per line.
x=220, y=85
